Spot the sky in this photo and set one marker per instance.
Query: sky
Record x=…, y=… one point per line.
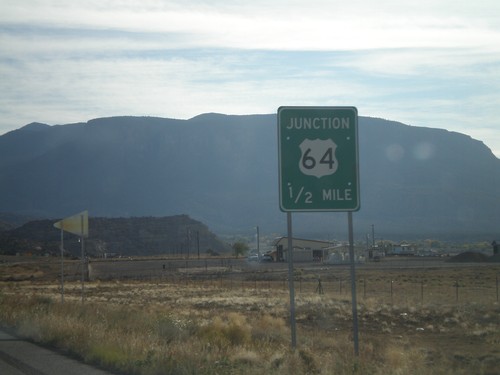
x=431, y=63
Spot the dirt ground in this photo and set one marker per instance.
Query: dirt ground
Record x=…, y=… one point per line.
x=450, y=313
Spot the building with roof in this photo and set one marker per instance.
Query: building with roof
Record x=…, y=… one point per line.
x=305, y=250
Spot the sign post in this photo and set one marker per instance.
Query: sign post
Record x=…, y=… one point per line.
x=318, y=172
x=77, y=224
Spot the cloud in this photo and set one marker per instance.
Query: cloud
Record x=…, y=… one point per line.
x=424, y=63
x=318, y=25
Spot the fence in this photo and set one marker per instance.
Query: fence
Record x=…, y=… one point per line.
x=440, y=285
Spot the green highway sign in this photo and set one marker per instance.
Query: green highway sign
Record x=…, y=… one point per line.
x=318, y=158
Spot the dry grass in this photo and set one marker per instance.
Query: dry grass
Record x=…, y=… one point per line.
x=191, y=328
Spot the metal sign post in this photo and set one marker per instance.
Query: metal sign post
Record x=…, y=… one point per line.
x=77, y=224
x=353, y=286
x=83, y=257
x=62, y=265
x=291, y=280
x=318, y=171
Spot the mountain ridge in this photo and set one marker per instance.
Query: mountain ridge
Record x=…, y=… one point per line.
x=222, y=170
x=174, y=235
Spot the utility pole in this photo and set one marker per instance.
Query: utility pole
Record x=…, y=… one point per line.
x=258, y=242
x=188, y=234
x=198, y=242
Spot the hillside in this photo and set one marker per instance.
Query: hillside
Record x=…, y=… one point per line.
x=175, y=235
x=222, y=170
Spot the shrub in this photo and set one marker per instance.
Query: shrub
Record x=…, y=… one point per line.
x=233, y=330
x=269, y=329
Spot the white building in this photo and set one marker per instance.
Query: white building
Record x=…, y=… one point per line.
x=314, y=251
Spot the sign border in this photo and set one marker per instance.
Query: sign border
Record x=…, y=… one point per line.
x=280, y=176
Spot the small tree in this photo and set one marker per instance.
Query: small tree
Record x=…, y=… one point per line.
x=240, y=248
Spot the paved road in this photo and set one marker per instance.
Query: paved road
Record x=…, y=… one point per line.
x=20, y=357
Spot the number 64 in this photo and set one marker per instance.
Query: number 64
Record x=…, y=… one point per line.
x=309, y=162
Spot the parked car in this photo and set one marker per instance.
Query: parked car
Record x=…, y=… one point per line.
x=266, y=258
x=253, y=258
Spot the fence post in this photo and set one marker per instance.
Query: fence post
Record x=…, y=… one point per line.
x=319, y=288
x=456, y=290
x=422, y=292
x=497, y=288
x=392, y=300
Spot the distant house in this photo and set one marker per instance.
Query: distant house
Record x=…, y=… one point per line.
x=314, y=251
x=303, y=250
x=403, y=249
x=340, y=254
